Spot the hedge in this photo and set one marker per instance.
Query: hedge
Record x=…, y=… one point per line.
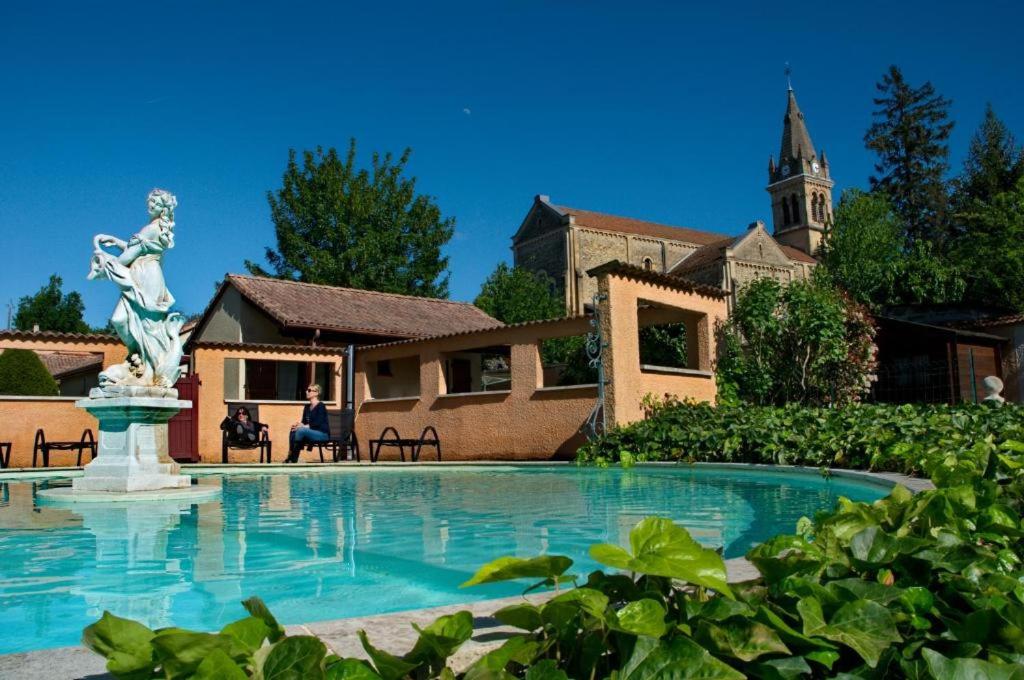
x=22, y=373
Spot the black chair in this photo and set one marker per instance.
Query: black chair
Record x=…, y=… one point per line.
x=88, y=441
x=396, y=441
x=343, y=440
x=227, y=441
x=5, y=454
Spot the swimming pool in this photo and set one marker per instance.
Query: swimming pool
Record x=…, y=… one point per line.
x=356, y=541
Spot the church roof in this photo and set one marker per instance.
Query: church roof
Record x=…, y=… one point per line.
x=796, y=141
x=703, y=256
x=628, y=225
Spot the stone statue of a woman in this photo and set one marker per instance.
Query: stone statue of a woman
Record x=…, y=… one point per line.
x=142, y=317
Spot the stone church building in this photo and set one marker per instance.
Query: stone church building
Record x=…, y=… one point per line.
x=564, y=243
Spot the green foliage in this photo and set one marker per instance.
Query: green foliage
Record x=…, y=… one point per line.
x=924, y=586
x=993, y=166
x=992, y=249
x=664, y=345
x=910, y=134
x=51, y=310
x=23, y=373
x=513, y=295
x=803, y=343
x=866, y=253
x=878, y=437
x=340, y=225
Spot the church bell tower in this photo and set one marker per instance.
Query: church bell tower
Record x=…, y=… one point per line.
x=800, y=185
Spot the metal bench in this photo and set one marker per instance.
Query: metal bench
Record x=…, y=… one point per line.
x=88, y=441
x=415, y=445
x=5, y=454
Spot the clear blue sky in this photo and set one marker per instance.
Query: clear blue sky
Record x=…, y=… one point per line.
x=651, y=110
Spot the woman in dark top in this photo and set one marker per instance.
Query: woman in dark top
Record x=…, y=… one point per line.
x=313, y=428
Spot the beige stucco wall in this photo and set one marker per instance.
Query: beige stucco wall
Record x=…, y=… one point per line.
x=628, y=383
x=235, y=319
x=20, y=417
x=526, y=422
x=208, y=363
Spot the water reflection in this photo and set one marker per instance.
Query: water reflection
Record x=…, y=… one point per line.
x=324, y=546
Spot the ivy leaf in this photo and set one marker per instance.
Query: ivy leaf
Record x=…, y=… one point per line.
x=250, y=632
x=126, y=645
x=491, y=666
x=677, y=659
x=969, y=669
x=219, y=666
x=865, y=627
x=388, y=666
x=661, y=548
x=295, y=658
x=591, y=601
x=257, y=608
x=790, y=668
x=740, y=638
x=180, y=652
x=525, y=616
x=642, y=617
x=440, y=639
x=545, y=670
x=350, y=669
x=511, y=568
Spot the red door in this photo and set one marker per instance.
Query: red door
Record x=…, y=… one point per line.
x=183, y=429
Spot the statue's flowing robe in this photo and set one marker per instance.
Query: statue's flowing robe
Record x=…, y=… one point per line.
x=142, y=316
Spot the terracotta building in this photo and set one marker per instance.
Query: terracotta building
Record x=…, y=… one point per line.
x=564, y=243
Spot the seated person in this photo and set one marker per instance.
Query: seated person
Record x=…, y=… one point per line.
x=242, y=429
x=314, y=426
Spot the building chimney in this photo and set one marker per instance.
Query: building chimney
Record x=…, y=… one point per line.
x=35, y=328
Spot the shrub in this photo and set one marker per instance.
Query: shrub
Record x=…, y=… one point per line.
x=884, y=437
x=806, y=343
x=22, y=373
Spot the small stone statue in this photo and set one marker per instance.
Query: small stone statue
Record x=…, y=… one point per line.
x=142, y=317
x=993, y=386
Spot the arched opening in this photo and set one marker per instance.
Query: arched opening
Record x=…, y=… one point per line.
x=785, y=212
x=648, y=264
x=794, y=209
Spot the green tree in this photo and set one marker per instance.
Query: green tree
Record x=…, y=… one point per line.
x=340, y=225
x=22, y=373
x=803, y=343
x=514, y=295
x=51, y=310
x=909, y=135
x=993, y=165
x=866, y=253
x=992, y=249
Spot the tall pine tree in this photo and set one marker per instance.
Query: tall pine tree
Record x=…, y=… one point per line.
x=993, y=165
x=340, y=225
x=909, y=135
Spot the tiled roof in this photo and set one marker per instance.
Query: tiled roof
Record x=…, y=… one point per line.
x=628, y=225
x=307, y=305
x=12, y=334
x=797, y=254
x=443, y=336
x=670, y=280
x=703, y=256
x=63, y=363
x=1008, y=320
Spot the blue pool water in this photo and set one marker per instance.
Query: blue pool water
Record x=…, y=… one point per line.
x=318, y=546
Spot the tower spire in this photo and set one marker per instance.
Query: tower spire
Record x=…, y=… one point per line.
x=789, y=80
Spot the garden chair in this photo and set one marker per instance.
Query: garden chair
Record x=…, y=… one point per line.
x=88, y=441
x=343, y=440
x=394, y=440
x=5, y=454
x=262, y=442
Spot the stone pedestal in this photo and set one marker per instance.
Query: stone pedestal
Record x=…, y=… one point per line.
x=132, y=453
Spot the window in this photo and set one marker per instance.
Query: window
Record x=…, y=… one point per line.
x=785, y=211
x=394, y=378
x=794, y=209
x=648, y=264
x=269, y=380
x=484, y=369
x=669, y=338
x=564, y=362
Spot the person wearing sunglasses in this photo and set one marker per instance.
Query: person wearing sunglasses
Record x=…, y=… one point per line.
x=312, y=428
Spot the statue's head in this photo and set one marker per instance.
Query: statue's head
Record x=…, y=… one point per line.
x=162, y=204
x=993, y=386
